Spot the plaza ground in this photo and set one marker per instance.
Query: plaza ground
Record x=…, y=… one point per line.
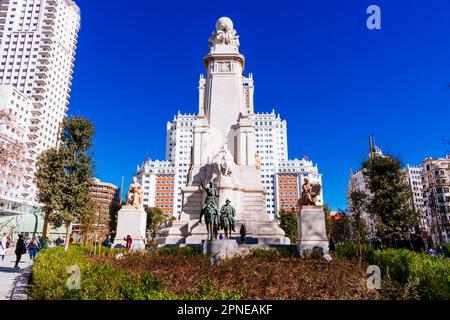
x=13, y=283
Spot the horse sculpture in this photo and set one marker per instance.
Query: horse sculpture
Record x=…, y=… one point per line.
x=211, y=221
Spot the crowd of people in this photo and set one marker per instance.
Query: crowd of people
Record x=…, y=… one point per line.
x=32, y=245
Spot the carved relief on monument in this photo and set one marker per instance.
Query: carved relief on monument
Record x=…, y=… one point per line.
x=223, y=66
x=222, y=162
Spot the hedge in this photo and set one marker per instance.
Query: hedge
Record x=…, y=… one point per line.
x=405, y=274
x=102, y=281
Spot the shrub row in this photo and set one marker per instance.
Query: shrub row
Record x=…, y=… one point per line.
x=354, y=251
x=51, y=280
x=405, y=274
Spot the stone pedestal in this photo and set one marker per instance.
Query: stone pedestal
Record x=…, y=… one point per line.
x=131, y=221
x=311, y=229
x=220, y=249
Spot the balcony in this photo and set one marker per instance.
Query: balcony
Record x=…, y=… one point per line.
x=45, y=54
x=34, y=126
x=31, y=143
x=47, y=32
x=41, y=81
x=41, y=73
x=40, y=89
x=46, y=46
x=38, y=95
x=32, y=134
x=43, y=61
x=53, y=3
x=47, y=40
x=37, y=104
x=43, y=68
x=48, y=28
x=25, y=193
x=48, y=21
x=51, y=9
x=29, y=175
x=50, y=14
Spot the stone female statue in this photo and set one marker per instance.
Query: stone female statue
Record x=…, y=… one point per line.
x=134, y=196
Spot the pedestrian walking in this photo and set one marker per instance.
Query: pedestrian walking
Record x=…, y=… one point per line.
x=21, y=249
x=128, y=241
x=243, y=232
x=3, y=246
x=33, y=248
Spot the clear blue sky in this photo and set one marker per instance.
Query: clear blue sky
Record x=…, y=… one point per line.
x=315, y=62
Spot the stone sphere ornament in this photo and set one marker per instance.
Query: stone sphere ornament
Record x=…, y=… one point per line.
x=224, y=24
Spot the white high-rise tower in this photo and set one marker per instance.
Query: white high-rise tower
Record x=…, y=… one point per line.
x=38, y=39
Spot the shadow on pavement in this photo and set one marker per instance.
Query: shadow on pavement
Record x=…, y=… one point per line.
x=10, y=270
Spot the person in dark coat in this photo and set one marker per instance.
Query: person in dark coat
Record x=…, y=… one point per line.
x=21, y=248
x=243, y=233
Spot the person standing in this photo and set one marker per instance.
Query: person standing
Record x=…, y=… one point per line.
x=128, y=241
x=21, y=248
x=3, y=246
x=243, y=232
x=107, y=241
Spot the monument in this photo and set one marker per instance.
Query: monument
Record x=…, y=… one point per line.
x=223, y=155
x=311, y=220
x=132, y=219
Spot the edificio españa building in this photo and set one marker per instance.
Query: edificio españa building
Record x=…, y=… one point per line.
x=38, y=39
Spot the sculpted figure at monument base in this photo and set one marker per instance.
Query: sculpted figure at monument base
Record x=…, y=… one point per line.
x=309, y=195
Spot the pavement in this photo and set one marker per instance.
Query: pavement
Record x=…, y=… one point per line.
x=13, y=283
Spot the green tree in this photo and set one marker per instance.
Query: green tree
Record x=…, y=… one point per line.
x=63, y=175
x=113, y=212
x=288, y=222
x=340, y=228
x=391, y=198
x=156, y=220
x=359, y=203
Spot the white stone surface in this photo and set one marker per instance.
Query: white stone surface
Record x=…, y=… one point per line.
x=131, y=221
x=221, y=249
x=311, y=229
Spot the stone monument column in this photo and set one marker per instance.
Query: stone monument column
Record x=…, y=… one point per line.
x=311, y=220
x=132, y=219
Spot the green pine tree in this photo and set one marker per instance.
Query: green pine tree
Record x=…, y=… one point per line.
x=359, y=203
x=63, y=175
x=156, y=220
x=390, y=202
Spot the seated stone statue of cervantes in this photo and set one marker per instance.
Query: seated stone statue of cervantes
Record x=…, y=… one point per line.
x=309, y=193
